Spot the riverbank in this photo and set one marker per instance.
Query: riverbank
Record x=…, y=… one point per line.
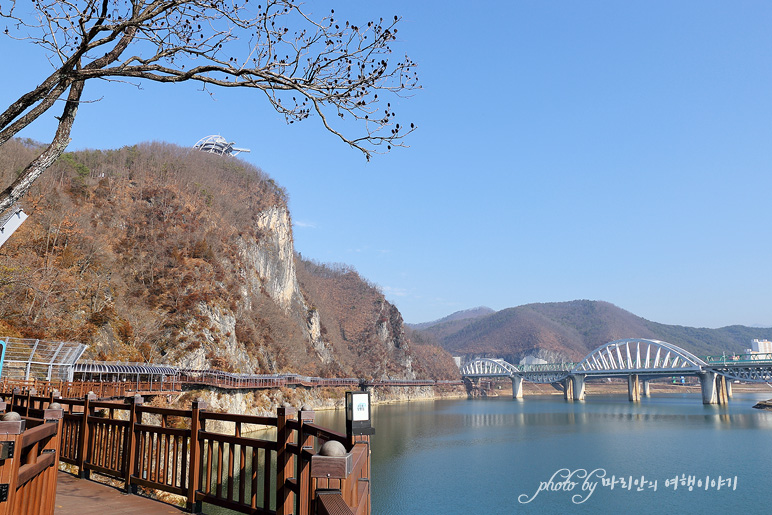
x=765, y=405
x=264, y=402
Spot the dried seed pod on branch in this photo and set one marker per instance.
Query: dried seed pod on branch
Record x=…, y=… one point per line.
x=303, y=65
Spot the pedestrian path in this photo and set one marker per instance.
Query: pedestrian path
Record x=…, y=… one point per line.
x=83, y=497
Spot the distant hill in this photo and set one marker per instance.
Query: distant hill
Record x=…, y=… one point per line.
x=451, y=323
x=570, y=330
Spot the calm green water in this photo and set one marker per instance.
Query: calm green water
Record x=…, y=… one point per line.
x=486, y=456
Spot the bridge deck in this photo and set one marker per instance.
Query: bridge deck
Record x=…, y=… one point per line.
x=83, y=497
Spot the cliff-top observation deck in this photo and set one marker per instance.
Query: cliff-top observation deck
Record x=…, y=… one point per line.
x=216, y=144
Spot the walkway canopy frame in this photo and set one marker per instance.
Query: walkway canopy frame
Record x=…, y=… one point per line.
x=28, y=358
x=133, y=372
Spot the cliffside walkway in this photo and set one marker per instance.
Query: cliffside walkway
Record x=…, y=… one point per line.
x=47, y=366
x=109, y=388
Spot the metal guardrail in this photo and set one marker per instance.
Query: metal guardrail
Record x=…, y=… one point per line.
x=738, y=359
x=548, y=367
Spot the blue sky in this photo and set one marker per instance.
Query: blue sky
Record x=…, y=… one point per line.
x=615, y=151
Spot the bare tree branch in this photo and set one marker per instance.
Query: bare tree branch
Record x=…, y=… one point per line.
x=305, y=65
x=50, y=154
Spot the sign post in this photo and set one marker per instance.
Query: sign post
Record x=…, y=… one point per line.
x=358, y=414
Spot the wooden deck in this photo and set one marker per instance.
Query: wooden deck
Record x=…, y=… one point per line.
x=83, y=497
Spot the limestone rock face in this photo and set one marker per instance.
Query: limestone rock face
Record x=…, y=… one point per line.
x=322, y=348
x=271, y=262
x=267, y=267
x=390, y=331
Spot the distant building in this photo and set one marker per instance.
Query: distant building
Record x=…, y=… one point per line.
x=532, y=360
x=761, y=346
x=457, y=360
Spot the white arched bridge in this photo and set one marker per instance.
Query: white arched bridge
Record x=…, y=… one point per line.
x=639, y=360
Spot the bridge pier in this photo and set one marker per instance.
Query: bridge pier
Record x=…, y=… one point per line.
x=578, y=384
x=722, y=390
x=568, y=389
x=708, y=387
x=716, y=389
x=645, y=389
x=633, y=388
x=517, y=387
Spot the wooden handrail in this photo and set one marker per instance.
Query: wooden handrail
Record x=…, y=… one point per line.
x=34, y=435
x=137, y=445
x=29, y=472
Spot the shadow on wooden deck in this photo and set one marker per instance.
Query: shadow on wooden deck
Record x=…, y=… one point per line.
x=83, y=497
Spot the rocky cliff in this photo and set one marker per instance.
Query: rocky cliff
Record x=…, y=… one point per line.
x=157, y=253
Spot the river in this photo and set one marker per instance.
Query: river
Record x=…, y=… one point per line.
x=602, y=455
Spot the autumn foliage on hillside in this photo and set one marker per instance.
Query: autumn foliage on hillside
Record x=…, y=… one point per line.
x=138, y=252
x=122, y=246
x=558, y=331
x=357, y=321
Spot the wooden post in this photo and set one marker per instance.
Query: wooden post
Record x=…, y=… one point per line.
x=9, y=468
x=48, y=502
x=304, y=497
x=24, y=412
x=283, y=472
x=130, y=459
x=14, y=393
x=194, y=467
x=83, y=440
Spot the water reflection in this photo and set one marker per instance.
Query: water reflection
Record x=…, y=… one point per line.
x=477, y=456
x=426, y=455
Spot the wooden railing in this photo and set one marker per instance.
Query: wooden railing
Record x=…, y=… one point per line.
x=29, y=453
x=207, y=457
x=342, y=484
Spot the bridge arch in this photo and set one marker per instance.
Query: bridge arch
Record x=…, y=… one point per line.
x=489, y=367
x=639, y=355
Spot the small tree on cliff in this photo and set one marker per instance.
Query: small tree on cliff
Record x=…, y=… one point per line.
x=303, y=66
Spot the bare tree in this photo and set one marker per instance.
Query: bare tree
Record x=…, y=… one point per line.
x=304, y=66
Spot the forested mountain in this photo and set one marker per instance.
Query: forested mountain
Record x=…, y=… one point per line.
x=453, y=322
x=570, y=330
x=159, y=253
